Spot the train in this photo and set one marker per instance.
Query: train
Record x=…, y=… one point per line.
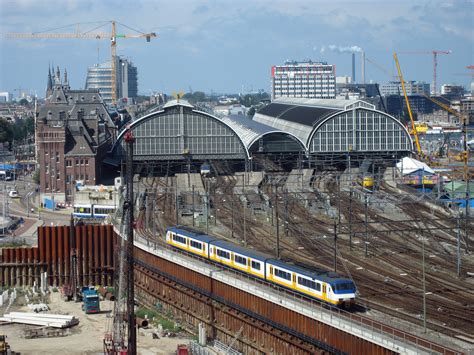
x=318, y=284
x=92, y=211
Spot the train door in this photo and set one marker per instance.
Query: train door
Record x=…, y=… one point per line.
x=294, y=281
x=324, y=292
x=271, y=273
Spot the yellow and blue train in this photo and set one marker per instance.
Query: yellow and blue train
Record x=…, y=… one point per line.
x=319, y=284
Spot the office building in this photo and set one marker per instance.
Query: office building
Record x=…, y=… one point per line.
x=315, y=80
x=100, y=77
x=411, y=87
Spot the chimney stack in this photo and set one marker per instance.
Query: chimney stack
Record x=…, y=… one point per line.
x=362, y=77
x=353, y=67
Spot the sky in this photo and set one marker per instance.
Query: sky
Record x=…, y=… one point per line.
x=226, y=46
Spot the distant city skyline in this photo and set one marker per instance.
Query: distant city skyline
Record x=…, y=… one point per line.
x=229, y=47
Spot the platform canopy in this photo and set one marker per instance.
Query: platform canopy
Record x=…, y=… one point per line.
x=333, y=125
x=179, y=131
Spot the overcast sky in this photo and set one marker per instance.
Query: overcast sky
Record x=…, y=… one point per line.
x=230, y=46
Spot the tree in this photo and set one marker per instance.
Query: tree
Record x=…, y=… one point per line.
x=6, y=134
x=24, y=102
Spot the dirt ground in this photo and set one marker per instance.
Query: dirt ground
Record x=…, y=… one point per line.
x=84, y=338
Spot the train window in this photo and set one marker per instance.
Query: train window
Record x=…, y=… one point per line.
x=255, y=265
x=223, y=254
x=240, y=260
x=106, y=210
x=195, y=244
x=282, y=274
x=346, y=286
x=82, y=209
x=308, y=283
x=179, y=239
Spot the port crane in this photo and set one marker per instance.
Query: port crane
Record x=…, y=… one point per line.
x=112, y=36
x=435, y=63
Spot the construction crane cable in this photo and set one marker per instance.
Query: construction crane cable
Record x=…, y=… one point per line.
x=71, y=25
x=130, y=28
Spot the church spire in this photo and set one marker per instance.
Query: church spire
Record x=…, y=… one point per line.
x=65, y=77
x=57, y=78
x=50, y=81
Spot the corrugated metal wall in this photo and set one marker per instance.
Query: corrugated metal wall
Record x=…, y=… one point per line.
x=94, y=245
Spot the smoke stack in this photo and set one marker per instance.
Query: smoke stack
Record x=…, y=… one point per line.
x=362, y=77
x=353, y=67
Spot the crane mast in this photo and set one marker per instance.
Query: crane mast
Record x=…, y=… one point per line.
x=402, y=81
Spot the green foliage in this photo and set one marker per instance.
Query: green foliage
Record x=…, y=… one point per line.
x=36, y=176
x=197, y=96
x=165, y=321
x=24, y=102
x=5, y=131
x=253, y=99
x=23, y=128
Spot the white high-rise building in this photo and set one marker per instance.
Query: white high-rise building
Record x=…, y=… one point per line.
x=313, y=80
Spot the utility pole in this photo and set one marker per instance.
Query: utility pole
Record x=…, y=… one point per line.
x=335, y=246
x=458, y=249
x=193, y=206
x=366, y=226
x=232, y=214
x=176, y=207
x=286, y=213
x=350, y=218
x=245, y=208
x=129, y=203
x=277, y=224
x=424, y=283
x=208, y=205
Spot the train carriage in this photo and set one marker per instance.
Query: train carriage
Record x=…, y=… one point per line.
x=189, y=240
x=238, y=257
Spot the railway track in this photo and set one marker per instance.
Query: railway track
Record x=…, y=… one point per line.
x=386, y=279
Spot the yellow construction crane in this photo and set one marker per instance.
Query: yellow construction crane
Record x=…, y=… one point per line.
x=415, y=133
x=463, y=120
x=112, y=36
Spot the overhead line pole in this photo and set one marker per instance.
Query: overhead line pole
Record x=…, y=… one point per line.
x=129, y=203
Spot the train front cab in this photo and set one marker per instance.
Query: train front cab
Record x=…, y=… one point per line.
x=343, y=292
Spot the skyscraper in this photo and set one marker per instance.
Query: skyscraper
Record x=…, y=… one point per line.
x=100, y=77
x=314, y=80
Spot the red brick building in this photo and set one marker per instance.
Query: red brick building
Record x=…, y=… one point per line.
x=74, y=131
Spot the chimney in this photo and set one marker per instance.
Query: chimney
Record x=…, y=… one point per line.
x=353, y=67
x=362, y=75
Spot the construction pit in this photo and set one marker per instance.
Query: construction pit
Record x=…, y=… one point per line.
x=84, y=338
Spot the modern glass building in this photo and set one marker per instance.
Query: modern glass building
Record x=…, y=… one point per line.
x=99, y=77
